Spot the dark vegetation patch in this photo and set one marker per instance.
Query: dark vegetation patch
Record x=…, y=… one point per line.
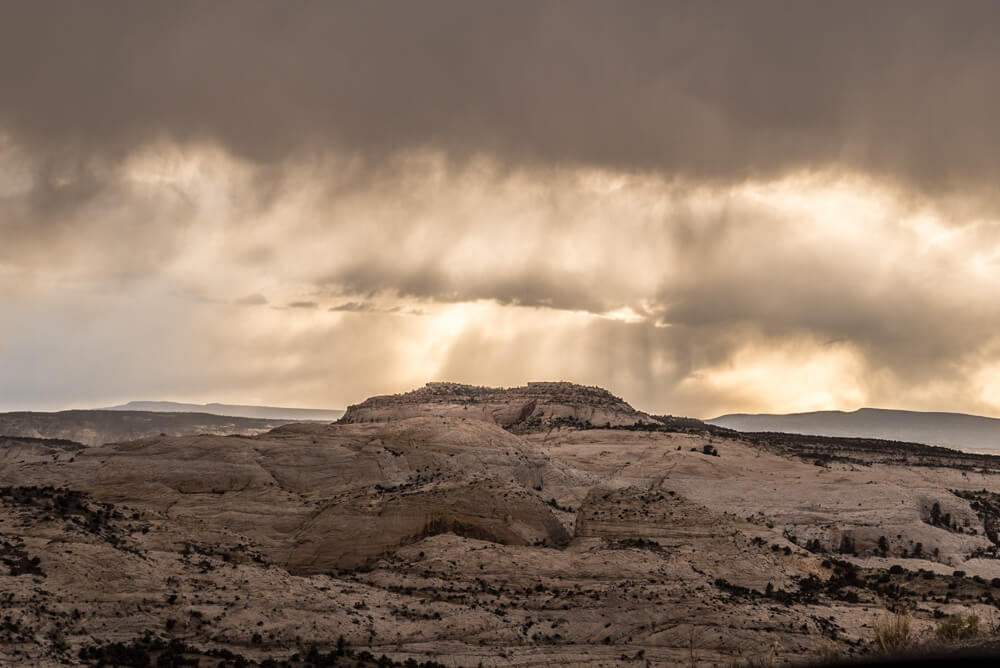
x=891, y=588
x=839, y=586
x=73, y=507
x=231, y=555
x=555, y=505
x=938, y=518
x=17, y=560
x=148, y=651
x=986, y=505
x=52, y=443
x=635, y=544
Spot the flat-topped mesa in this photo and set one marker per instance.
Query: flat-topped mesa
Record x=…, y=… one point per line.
x=534, y=407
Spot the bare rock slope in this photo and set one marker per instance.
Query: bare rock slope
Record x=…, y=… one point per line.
x=419, y=527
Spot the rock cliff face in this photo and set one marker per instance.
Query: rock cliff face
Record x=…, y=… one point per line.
x=534, y=407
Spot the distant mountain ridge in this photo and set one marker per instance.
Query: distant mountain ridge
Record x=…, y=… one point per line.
x=232, y=410
x=95, y=427
x=953, y=429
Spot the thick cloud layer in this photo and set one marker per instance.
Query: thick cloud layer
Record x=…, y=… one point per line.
x=705, y=207
x=726, y=91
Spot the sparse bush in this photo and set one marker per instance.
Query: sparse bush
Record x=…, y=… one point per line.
x=957, y=627
x=936, y=513
x=892, y=632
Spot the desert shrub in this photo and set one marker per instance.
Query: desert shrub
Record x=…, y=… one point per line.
x=117, y=654
x=957, y=627
x=829, y=652
x=892, y=632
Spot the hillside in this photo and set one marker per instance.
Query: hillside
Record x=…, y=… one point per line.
x=953, y=429
x=451, y=539
x=233, y=410
x=95, y=427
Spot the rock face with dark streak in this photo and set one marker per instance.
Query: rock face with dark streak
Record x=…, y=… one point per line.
x=534, y=407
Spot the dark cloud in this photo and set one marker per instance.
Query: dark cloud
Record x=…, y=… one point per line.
x=304, y=305
x=354, y=307
x=905, y=90
x=370, y=307
x=536, y=285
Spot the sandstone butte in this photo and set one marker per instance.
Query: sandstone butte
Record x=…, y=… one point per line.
x=550, y=524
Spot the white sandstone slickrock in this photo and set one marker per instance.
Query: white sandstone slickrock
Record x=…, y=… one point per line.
x=418, y=526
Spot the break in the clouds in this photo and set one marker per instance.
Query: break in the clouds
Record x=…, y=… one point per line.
x=705, y=207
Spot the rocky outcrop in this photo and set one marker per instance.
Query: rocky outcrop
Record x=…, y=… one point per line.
x=319, y=498
x=485, y=510
x=534, y=407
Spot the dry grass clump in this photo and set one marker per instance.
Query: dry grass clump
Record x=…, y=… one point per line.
x=828, y=653
x=957, y=627
x=892, y=632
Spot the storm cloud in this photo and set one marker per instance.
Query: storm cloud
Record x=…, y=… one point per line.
x=706, y=90
x=705, y=206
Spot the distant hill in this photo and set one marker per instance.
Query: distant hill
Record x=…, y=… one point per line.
x=96, y=427
x=265, y=412
x=954, y=429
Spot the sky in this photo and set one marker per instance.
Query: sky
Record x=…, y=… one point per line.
x=704, y=207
